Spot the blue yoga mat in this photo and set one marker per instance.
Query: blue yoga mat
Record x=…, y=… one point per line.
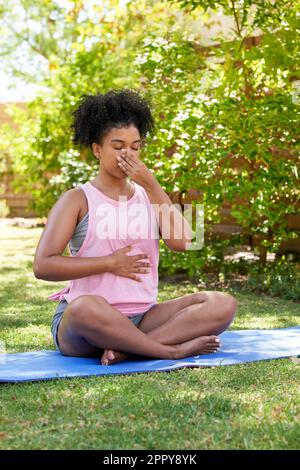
x=237, y=347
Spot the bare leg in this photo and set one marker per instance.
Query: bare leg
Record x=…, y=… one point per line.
x=97, y=323
x=210, y=317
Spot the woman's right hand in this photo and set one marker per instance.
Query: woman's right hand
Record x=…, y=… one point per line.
x=126, y=266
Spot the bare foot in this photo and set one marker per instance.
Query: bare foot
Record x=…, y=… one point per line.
x=110, y=356
x=200, y=345
x=193, y=347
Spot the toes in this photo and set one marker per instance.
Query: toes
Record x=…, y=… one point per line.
x=214, y=341
x=210, y=351
x=110, y=355
x=107, y=356
x=104, y=358
x=212, y=347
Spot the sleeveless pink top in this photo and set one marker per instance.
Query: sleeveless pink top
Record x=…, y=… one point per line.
x=113, y=225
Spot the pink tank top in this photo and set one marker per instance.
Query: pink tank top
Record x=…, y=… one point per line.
x=113, y=225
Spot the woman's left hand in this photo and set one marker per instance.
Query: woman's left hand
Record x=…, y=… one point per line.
x=136, y=169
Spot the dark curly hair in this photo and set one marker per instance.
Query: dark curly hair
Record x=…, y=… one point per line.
x=98, y=114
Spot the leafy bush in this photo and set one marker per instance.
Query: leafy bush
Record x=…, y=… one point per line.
x=227, y=120
x=279, y=278
x=194, y=263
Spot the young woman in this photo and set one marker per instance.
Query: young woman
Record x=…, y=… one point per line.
x=110, y=307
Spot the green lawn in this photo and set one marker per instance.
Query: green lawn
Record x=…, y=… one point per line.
x=248, y=406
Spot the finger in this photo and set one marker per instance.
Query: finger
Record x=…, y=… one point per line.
x=121, y=161
x=131, y=156
x=142, y=270
x=128, y=160
x=137, y=257
x=123, y=167
x=139, y=264
x=126, y=166
x=144, y=264
x=124, y=154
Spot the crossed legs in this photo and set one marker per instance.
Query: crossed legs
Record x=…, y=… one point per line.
x=172, y=329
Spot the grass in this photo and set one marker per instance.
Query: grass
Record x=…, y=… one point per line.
x=247, y=406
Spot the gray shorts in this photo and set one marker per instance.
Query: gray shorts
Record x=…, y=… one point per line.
x=57, y=317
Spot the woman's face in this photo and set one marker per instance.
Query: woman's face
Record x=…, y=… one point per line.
x=117, y=139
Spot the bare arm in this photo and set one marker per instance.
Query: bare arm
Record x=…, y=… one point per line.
x=49, y=263
x=175, y=229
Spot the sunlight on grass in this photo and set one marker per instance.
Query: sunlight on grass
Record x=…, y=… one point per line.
x=247, y=406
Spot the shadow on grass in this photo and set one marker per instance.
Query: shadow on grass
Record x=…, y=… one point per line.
x=7, y=270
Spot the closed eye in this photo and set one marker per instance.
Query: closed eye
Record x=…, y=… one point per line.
x=131, y=148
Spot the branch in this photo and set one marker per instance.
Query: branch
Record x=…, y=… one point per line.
x=239, y=31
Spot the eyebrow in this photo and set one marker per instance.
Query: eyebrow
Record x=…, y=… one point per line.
x=119, y=140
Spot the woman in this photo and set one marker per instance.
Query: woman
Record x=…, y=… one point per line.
x=109, y=308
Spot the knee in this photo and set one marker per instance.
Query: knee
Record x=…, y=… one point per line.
x=228, y=307
x=83, y=310
x=223, y=306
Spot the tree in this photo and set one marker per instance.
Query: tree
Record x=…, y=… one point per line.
x=230, y=123
x=227, y=120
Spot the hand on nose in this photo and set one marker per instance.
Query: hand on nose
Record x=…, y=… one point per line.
x=126, y=153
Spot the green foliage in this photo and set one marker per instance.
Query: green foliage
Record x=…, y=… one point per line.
x=245, y=406
x=227, y=117
x=229, y=120
x=194, y=263
x=44, y=159
x=278, y=279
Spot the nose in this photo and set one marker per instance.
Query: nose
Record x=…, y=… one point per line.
x=125, y=151
x=128, y=151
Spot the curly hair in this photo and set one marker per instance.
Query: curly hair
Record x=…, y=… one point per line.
x=98, y=114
